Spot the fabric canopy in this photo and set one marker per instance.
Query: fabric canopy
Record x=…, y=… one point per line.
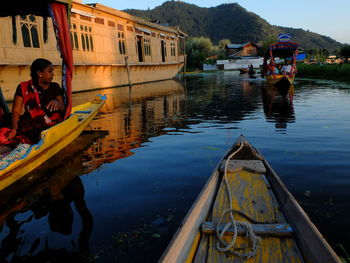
x=60, y=21
x=283, y=49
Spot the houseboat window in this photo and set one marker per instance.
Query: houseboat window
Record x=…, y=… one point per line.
x=83, y=41
x=71, y=40
x=35, y=38
x=91, y=44
x=99, y=20
x=172, y=49
x=121, y=42
x=87, y=42
x=29, y=29
x=86, y=38
x=111, y=23
x=147, y=46
x=76, y=42
x=74, y=37
x=25, y=35
x=163, y=50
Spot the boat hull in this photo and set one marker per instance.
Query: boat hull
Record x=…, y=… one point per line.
x=92, y=77
x=280, y=80
x=52, y=141
x=243, y=70
x=265, y=201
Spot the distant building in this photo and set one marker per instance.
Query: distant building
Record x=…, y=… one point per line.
x=249, y=49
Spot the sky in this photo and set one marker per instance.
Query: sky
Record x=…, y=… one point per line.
x=326, y=17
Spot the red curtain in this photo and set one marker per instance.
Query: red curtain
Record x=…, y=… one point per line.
x=59, y=16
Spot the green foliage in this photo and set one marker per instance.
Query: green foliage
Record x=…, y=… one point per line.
x=324, y=71
x=228, y=21
x=317, y=54
x=223, y=43
x=266, y=44
x=345, y=52
x=197, y=50
x=201, y=50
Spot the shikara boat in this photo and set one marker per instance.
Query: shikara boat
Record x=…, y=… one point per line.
x=287, y=51
x=18, y=164
x=52, y=141
x=243, y=70
x=246, y=214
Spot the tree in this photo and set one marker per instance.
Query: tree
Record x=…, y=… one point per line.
x=223, y=43
x=266, y=44
x=197, y=50
x=345, y=52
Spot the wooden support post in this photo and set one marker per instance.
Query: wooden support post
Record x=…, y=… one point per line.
x=128, y=70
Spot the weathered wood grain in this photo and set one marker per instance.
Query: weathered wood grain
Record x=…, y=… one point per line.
x=252, y=197
x=254, y=166
x=259, y=229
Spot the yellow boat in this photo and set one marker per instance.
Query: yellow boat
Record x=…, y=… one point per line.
x=279, y=79
x=52, y=141
x=59, y=136
x=246, y=214
x=36, y=185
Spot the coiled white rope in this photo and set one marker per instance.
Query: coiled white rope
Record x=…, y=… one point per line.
x=221, y=244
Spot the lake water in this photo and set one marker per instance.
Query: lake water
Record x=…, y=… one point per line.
x=119, y=192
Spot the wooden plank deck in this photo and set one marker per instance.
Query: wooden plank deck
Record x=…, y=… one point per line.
x=252, y=196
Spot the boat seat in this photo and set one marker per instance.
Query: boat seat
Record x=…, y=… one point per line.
x=277, y=230
x=255, y=166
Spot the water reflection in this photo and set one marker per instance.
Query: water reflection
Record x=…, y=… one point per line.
x=39, y=213
x=38, y=207
x=173, y=136
x=133, y=115
x=278, y=106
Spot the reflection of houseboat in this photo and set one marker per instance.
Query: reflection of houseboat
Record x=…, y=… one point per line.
x=132, y=116
x=102, y=38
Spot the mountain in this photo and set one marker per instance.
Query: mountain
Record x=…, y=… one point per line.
x=230, y=21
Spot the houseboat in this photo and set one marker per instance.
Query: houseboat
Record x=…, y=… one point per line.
x=110, y=48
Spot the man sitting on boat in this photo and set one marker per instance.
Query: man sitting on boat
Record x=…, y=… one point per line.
x=286, y=68
x=43, y=106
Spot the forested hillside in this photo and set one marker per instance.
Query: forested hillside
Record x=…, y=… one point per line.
x=228, y=21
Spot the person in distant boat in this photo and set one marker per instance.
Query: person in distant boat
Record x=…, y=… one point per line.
x=286, y=69
x=271, y=68
x=278, y=69
x=42, y=102
x=251, y=69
